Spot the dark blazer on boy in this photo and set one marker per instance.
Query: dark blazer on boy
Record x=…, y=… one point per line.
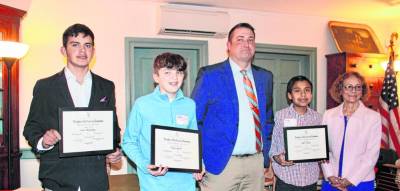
x=55, y=173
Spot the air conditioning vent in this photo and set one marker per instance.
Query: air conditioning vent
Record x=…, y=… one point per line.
x=189, y=32
x=189, y=21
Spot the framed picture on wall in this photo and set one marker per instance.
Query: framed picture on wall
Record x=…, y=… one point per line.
x=353, y=37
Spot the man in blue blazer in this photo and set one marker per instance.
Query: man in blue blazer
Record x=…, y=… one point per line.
x=233, y=104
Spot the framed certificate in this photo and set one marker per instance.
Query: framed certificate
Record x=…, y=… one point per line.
x=86, y=131
x=306, y=143
x=178, y=149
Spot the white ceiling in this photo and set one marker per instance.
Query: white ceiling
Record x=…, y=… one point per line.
x=353, y=9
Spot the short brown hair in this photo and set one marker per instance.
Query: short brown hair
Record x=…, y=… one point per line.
x=240, y=25
x=170, y=61
x=335, y=90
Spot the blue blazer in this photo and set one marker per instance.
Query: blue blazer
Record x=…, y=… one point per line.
x=218, y=114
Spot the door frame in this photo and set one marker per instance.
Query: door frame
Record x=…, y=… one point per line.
x=310, y=52
x=132, y=42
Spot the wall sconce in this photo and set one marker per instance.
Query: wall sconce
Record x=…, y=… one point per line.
x=10, y=52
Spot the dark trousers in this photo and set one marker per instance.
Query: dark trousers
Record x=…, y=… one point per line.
x=282, y=186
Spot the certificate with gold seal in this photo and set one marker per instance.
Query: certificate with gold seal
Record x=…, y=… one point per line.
x=176, y=148
x=306, y=143
x=86, y=131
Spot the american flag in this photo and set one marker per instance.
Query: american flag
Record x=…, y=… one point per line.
x=389, y=111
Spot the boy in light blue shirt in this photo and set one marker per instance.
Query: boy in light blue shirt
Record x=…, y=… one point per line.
x=165, y=106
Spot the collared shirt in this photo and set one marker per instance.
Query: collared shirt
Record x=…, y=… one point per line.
x=246, y=138
x=80, y=94
x=156, y=109
x=299, y=174
x=361, y=147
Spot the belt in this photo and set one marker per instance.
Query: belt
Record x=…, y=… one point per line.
x=244, y=155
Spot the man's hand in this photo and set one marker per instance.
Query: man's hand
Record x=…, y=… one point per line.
x=50, y=138
x=114, y=157
x=280, y=159
x=157, y=170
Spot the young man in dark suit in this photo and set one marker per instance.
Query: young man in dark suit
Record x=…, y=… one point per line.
x=234, y=112
x=74, y=86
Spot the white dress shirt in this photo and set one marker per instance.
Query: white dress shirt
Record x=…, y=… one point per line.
x=80, y=94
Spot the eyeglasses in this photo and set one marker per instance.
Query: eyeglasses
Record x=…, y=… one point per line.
x=356, y=88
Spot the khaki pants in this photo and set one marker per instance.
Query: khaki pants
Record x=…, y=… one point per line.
x=240, y=174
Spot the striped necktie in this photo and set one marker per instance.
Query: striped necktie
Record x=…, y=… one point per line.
x=248, y=88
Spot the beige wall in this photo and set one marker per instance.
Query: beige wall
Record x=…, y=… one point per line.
x=112, y=21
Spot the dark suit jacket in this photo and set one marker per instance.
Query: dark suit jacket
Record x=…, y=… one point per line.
x=217, y=110
x=55, y=173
